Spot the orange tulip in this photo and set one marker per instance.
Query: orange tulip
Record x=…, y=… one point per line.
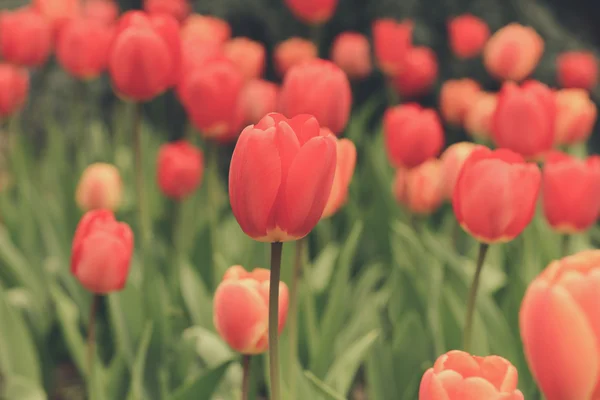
x=456, y=96
x=292, y=52
x=576, y=115
x=560, y=330
x=346, y=161
x=258, y=99
x=418, y=72
x=179, y=169
x=103, y=11
x=205, y=28
x=312, y=11
x=577, y=69
x=468, y=34
x=420, y=189
x=240, y=309
x=25, y=37
x=391, y=41
x=100, y=187
x=478, y=119
x=351, y=52
x=248, y=55
x=280, y=177
x=178, y=9
x=453, y=159
x=14, y=87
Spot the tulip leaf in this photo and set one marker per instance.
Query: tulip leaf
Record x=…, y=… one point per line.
x=137, y=390
x=322, y=387
x=323, y=267
x=204, y=386
x=17, y=387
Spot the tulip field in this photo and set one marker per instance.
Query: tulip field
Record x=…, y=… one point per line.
x=293, y=234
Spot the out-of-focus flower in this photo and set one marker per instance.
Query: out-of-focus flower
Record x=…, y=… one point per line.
x=103, y=11
x=240, y=309
x=351, y=52
x=280, y=178
x=420, y=189
x=453, y=159
x=196, y=52
x=576, y=115
x=58, y=12
x=346, y=161
x=205, y=28
x=478, y=120
x=25, y=37
x=312, y=11
x=577, y=69
x=258, y=98
x=391, y=41
x=418, y=72
x=100, y=187
x=14, y=87
x=248, y=55
x=292, y=52
x=468, y=35
x=179, y=171
x=513, y=52
x=178, y=9
x=456, y=97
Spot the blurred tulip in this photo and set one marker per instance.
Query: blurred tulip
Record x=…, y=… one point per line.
x=453, y=159
x=14, y=87
x=292, y=52
x=196, y=52
x=456, y=96
x=58, y=12
x=391, y=41
x=101, y=253
x=576, y=116
x=513, y=52
x=312, y=11
x=179, y=169
x=206, y=28
x=168, y=28
x=258, y=98
x=351, y=52
x=100, y=187
x=524, y=119
x=420, y=189
x=346, y=161
x=25, y=37
x=412, y=135
x=577, y=69
x=495, y=194
x=178, y=9
x=457, y=375
x=240, y=309
x=468, y=35
x=103, y=11
x=418, y=72
x=280, y=177
x=478, y=120
x=319, y=88
x=248, y=55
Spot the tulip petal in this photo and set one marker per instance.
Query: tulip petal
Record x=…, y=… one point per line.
x=431, y=387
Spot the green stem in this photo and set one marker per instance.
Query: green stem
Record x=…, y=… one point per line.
x=139, y=176
x=213, y=200
x=293, y=315
x=565, y=245
x=276, y=249
x=316, y=32
x=246, y=358
x=392, y=95
x=483, y=248
x=91, y=341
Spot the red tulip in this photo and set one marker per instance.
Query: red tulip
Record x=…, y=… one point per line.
x=457, y=375
x=240, y=309
x=103, y=11
x=453, y=159
x=258, y=99
x=468, y=34
x=318, y=88
x=420, y=189
x=58, y=12
x=351, y=52
x=576, y=115
x=312, y=11
x=577, y=69
x=178, y=9
x=524, y=118
x=168, y=28
x=100, y=188
x=280, y=177
x=102, y=249
x=247, y=55
x=180, y=167
x=412, y=135
x=495, y=194
x=478, y=120
x=456, y=97
x=205, y=28
x=196, y=52
x=25, y=37
x=292, y=52
x=346, y=161
x=418, y=72
x=14, y=86
x=391, y=40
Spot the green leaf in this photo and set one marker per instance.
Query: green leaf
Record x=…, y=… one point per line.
x=68, y=317
x=137, y=391
x=322, y=268
x=19, y=388
x=322, y=387
x=204, y=386
x=196, y=297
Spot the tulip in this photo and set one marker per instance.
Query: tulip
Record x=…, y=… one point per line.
x=319, y=88
x=513, y=52
x=577, y=69
x=178, y=9
x=418, y=72
x=420, y=189
x=412, y=135
x=391, y=41
x=258, y=99
x=292, y=52
x=351, y=52
x=559, y=328
x=240, y=309
x=100, y=187
x=103, y=11
x=206, y=28
x=524, y=118
x=101, y=253
x=195, y=53
x=168, y=28
x=248, y=55
x=457, y=375
x=280, y=177
x=452, y=160
x=312, y=11
x=346, y=161
x=478, y=119
x=180, y=167
x=14, y=86
x=58, y=12
x=468, y=35
x=576, y=115
x=25, y=37
x=456, y=96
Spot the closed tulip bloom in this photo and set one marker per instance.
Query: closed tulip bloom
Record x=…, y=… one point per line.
x=168, y=28
x=576, y=116
x=453, y=159
x=240, y=309
x=577, y=69
x=207, y=28
x=478, y=119
x=195, y=53
x=420, y=189
x=100, y=187
x=319, y=88
x=524, y=118
x=103, y=11
x=513, y=52
x=58, y=12
x=280, y=178
x=312, y=11
x=412, y=135
x=101, y=252
x=468, y=35
x=248, y=55
x=291, y=52
x=391, y=41
x=180, y=167
x=178, y=9
x=351, y=52
x=417, y=73
x=25, y=37
x=457, y=375
x=14, y=87
x=456, y=97
x=346, y=161
x=495, y=194
x=258, y=98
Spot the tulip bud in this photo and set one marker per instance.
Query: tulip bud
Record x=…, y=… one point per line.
x=352, y=53
x=513, y=52
x=346, y=161
x=168, y=28
x=453, y=159
x=258, y=99
x=478, y=120
x=312, y=11
x=524, y=118
x=577, y=69
x=456, y=96
x=58, y=12
x=206, y=28
x=101, y=253
x=412, y=135
x=180, y=167
x=418, y=72
x=495, y=194
x=14, y=87
x=468, y=34
x=420, y=189
x=100, y=187
x=319, y=88
x=292, y=52
x=25, y=37
x=457, y=375
x=104, y=11
x=391, y=41
x=195, y=53
x=178, y=9
x=240, y=309
x=576, y=115
x=280, y=177
x=247, y=55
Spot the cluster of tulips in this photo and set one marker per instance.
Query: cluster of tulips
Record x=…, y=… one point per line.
x=290, y=169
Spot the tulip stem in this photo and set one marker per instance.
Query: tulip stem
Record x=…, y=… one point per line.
x=293, y=315
x=214, y=208
x=276, y=249
x=483, y=248
x=565, y=245
x=316, y=33
x=139, y=175
x=91, y=341
x=246, y=358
